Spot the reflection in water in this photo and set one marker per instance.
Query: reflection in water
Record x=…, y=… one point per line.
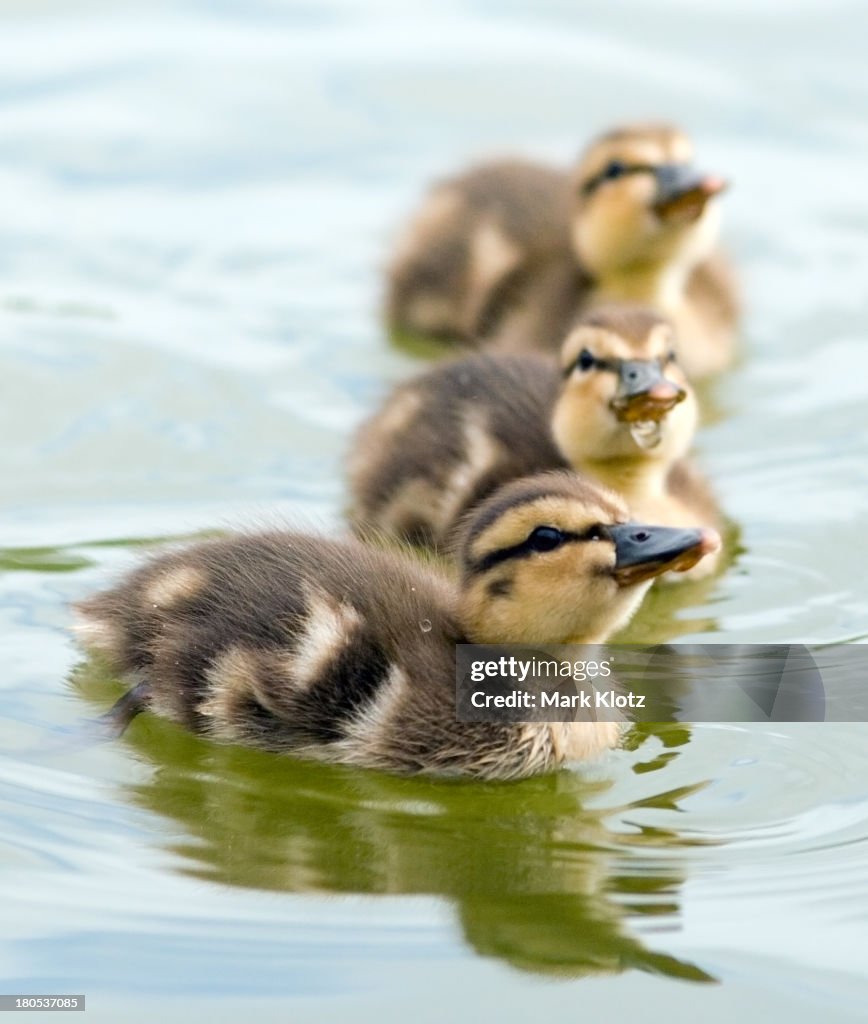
x=570, y=935
x=537, y=877
x=72, y=557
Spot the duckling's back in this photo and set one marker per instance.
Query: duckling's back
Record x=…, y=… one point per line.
x=296, y=644
x=279, y=640
x=446, y=440
x=477, y=239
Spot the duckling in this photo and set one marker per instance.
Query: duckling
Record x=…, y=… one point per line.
x=509, y=252
x=619, y=409
x=341, y=652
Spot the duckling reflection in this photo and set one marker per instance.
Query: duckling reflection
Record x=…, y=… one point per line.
x=509, y=252
x=568, y=935
x=537, y=878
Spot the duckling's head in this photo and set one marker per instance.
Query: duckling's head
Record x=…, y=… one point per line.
x=623, y=395
x=554, y=558
x=640, y=205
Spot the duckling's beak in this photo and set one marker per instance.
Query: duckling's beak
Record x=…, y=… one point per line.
x=643, y=552
x=644, y=393
x=682, y=192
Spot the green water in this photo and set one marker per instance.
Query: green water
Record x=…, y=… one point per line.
x=197, y=203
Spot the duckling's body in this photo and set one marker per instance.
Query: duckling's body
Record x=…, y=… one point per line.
x=488, y=258
x=510, y=252
x=340, y=652
x=446, y=440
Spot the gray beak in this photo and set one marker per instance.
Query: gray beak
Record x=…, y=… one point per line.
x=643, y=552
x=644, y=393
x=682, y=191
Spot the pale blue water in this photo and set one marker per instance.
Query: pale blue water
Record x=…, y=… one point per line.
x=197, y=200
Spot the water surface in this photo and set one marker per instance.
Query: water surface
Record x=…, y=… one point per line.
x=198, y=200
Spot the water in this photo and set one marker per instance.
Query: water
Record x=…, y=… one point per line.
x=197, y=201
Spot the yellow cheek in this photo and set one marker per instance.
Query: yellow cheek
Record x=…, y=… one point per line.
x=624, y=206
x=586, y=393
x=578, y=599
x=559, y=597
x=612, y=226
x=594, y=559
x=577, y=569
x=583, y=424
x=638, y=191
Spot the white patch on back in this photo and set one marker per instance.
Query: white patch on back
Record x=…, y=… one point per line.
x=364, y=733
x=481, y=452
x=328, y=628
x=231, y=680
x=95, y=633
x=179, y=583
x=492, y=256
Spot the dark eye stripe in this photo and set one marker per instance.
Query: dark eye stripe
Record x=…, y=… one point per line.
x=592, y=184
x=527, y=547
x=612, y=365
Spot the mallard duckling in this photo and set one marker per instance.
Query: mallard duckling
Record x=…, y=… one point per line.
x=619, y=409
x=346, y=653
x=509, y=252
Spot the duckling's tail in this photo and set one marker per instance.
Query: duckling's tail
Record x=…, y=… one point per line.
x=115, y=721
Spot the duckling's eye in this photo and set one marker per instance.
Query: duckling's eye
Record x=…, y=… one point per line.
x=614, y=169
x=545, y=538
x=585, y=361
x=670, y=357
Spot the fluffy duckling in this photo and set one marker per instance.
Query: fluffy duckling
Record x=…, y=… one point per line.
x=345, y=653
x=619, y=409
x=509, y=252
